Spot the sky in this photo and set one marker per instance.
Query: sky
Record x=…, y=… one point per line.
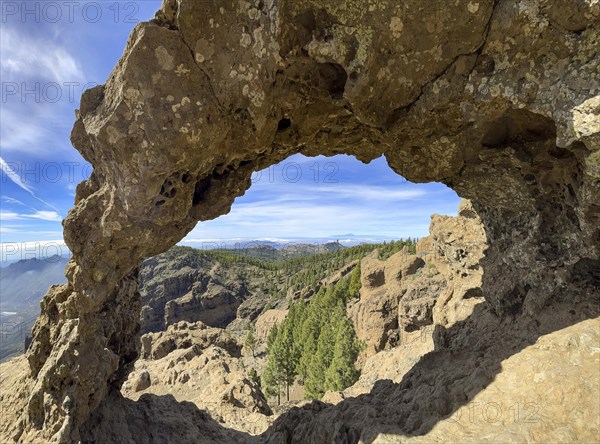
x=51, y=51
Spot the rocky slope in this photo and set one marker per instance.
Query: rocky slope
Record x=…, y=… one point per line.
x=199, y=364
x=499, y=99
x=225, y=286
x=190, y=285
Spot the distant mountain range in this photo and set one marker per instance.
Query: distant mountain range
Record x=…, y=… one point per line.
x=290, y=244
x=345, y=240
x=26, y=281
x=273, y=252
x=22, y=286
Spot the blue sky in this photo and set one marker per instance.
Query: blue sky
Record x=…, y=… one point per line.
x=51, y=51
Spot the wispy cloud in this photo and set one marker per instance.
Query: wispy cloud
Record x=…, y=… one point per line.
x=24, y=56
x=41, y=80
x=16, y=179
x=11, y=200
x=366, y=200
x=50, y=216
x=370, y=192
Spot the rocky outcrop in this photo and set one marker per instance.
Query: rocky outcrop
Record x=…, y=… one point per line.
x=458, y=249
x=184, y=335
x=309, y=291
x=182, y=286
x=496, y=98
x=438, y=285
x=375, y=315
x=337, y=276
x=197, y=364
x=267, y=321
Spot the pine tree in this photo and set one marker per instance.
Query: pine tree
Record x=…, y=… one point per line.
x=272, y=380
x=311, y=328
x=341, y=372
x=286, y=356
x=355, y=283
x=316, y=342
x=271, y=337
x=319, y=362
x=250, y=343
x=282, y=358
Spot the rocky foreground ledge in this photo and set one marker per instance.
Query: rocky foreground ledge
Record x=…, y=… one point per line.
x=499, y=99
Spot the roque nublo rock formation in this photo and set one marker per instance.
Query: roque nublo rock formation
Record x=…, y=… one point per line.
x=498, y=99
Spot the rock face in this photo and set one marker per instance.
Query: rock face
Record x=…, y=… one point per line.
x=438, y=285
x=375, y=316
x=266, y=321
x=182, y=335
x=172, y=293
x=195, y=363
x=496, y=98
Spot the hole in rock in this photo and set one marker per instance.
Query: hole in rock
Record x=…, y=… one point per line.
x=299, y=256
x=518, y=126
x=284, y=124
x=334, y=78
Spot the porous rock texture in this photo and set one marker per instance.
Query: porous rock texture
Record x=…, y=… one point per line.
x=496, y=98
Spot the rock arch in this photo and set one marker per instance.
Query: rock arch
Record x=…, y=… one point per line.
x=496, y=98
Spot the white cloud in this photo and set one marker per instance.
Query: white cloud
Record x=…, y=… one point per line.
x=41, y=83
x=51, y=216
x=292, y=220
x=6, y=169
x=11, y=200
x=26, y=57
x=16, y=179
x=367, y=192
x=31, y=141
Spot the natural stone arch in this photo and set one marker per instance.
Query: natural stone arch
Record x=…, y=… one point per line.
x=497, y=99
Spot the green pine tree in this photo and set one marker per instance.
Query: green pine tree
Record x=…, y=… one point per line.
x=271, y=337
x=272, y=380
x=288, y=357
x=321, y=360
x=341, y=372
x=250, y=343
x=355, y=283
x=309, y=335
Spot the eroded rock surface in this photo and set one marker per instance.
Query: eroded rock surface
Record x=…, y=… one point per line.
x=496, y=98
x=195, y=363
x=189, y=289
x=439, y=285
